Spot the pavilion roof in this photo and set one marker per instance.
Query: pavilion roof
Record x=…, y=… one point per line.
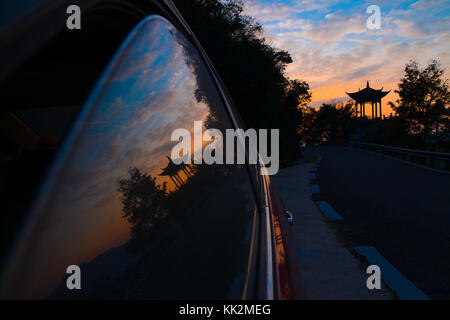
x=368, y=94
x=171, y=168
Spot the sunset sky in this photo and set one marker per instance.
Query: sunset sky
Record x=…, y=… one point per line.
x=334, y=51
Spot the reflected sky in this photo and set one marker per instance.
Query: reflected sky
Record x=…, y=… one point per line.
x=147, y=94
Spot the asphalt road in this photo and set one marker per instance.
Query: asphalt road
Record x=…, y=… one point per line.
x=401, y=210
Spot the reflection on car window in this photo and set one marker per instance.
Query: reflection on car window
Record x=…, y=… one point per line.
x=138, y=225
x=11, y=11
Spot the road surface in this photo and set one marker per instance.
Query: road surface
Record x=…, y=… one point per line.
x=401, y=210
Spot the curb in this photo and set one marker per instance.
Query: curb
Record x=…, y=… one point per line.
x=329, y=211
x=397, y=282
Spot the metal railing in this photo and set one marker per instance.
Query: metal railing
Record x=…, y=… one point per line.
x=436, y=160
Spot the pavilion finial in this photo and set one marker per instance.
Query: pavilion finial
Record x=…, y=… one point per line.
x=368, y=84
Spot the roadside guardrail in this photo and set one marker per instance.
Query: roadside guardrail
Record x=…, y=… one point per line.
x=436, y=160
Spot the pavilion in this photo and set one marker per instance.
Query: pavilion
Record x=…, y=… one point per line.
x=368, y=95
x=172, y=170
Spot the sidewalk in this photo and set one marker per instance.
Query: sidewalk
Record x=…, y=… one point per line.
x=329, y=270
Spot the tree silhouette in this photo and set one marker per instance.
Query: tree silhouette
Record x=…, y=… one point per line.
x=334, y=121
x=143, y=200
x=296, y=96
x=308, y=128
x=252, y=70
x=418, y=92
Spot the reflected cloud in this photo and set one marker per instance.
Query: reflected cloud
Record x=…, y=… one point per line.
x=150, y=91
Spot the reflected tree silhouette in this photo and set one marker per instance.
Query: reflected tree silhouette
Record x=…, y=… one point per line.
x=253, y=71
x=205, y=91
x=142, y=200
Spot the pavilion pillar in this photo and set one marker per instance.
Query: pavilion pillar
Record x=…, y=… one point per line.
x=185, y=172
x=364, y=110
x=372, y=109
x=176, y=184
x=381, y=113
x=178, y=178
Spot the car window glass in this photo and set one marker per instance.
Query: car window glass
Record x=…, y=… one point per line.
x=10, y=11
x=136, y=224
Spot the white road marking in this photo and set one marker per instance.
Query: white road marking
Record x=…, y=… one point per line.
x=403, y=288
x=314, y=188
x=319, y=157
x=329, y=211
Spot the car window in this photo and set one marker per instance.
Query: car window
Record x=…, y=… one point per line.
x=114, y=204
x=10, y=11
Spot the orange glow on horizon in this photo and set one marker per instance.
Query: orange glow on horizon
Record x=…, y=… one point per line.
x=336, y=93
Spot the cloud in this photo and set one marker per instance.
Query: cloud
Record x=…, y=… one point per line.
x=333, y=50
x=265, y=12
x=429, y=4
x=335, y=26
x=409, y=29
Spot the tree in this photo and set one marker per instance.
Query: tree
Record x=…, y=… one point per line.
x=296, y=97
x=334, y=121
x=418, y=92
x=252, y=70
x=308, y=129
x=142, y=200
